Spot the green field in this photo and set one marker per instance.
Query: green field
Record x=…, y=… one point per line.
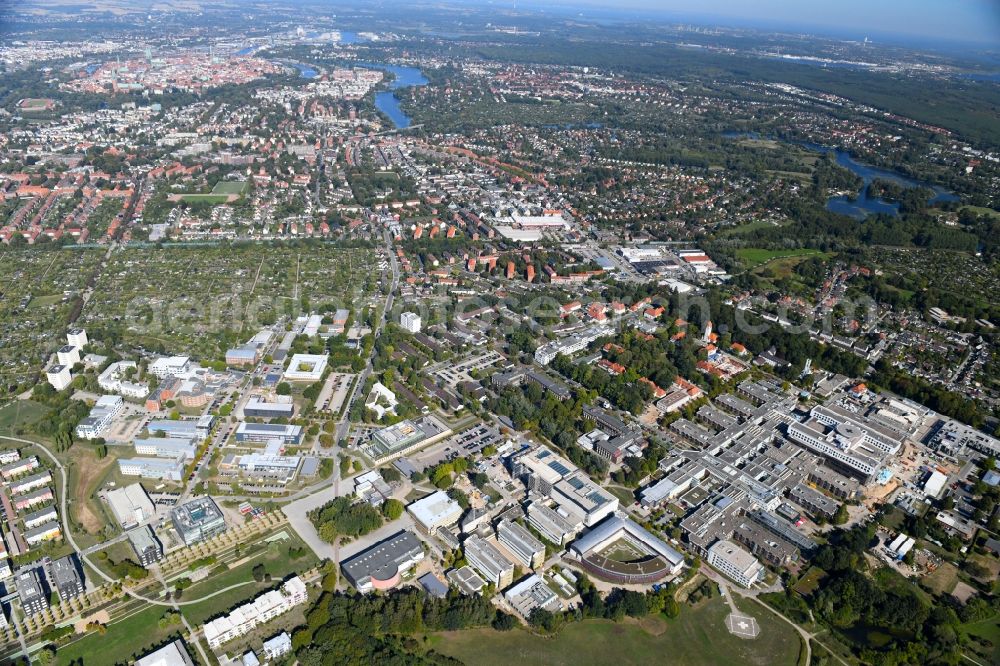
x=988, y=630
x=982, y=210
x=751, y=257
x=229, y=187
x=125, y=640
x=205, y=198
x=698, y=636
x=19, y=414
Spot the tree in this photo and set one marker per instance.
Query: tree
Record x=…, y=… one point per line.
x=283, y=388
x=392, y=509
x=841, y=516
x=504, y=621
x=259, y=572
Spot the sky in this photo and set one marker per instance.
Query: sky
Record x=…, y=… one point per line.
x=939, y=20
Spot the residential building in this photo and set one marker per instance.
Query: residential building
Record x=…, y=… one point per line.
x=248, y=616
x=47, y=532
x=278, y=646
x=410, y=321
x=68, y=355
x=77, y=337
x=59, y=376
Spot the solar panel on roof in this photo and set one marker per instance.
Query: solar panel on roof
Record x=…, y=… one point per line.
x=597, y=498
x=559, y=467
x=576, y=483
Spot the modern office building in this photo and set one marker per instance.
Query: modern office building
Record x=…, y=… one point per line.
x=31, y=590
x=306, y=368
x=147, y=547
x=101, y=415
x=163, y=469
x=559, y=528
x=114, y=379
x=184, y=429
x=279, y=406
x=170, y=366
x=489, y=561
x=65, y=577
x=381, y=566
x=532, y=593
x=735, y=563
x=265, y=432
x=166, y=447
x=197, y=520
x=519, y=542
x=435, y=511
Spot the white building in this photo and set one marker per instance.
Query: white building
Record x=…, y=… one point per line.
x=306, y=368
x=131, y=505
x=59, y=376
x=77, y=337
x=153, y=468
x=173, y=654
x=264, y=608
x=170, y=366
x=735, y=562
x=935, y=483
x=113, y=380
x=410, y=321
x=101, y=415
x=68, y=355
x=278, y=646
x=435, y=511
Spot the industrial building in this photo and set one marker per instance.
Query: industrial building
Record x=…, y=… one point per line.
x=131, y=505
x=381, y=566
x=197, y=520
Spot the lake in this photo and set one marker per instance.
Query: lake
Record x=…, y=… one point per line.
x=862, y=205
x=386, y=100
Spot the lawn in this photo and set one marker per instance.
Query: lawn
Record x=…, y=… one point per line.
x=698, y=636
x=753, y=257
x=982, y=210
x=746, y=228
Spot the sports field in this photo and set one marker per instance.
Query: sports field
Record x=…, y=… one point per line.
x=229, y=187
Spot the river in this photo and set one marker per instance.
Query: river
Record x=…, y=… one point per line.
x=386, y=100
x=862, y=205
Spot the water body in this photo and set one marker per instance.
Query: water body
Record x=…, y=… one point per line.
x=305, y=71
x=862, y=205
x=246, y=50
x=386, y=100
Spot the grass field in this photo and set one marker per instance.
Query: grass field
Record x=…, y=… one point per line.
x=125, y=639
x=988, y=630
x=943, y=580
x=18, y=414
x=753, y=257
x=229, y=187
x=698, y=636
x=982, y=210
x=746, y=228
x=205, y=198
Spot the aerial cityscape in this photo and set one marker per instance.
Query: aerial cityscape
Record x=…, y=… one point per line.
x=556, y=333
